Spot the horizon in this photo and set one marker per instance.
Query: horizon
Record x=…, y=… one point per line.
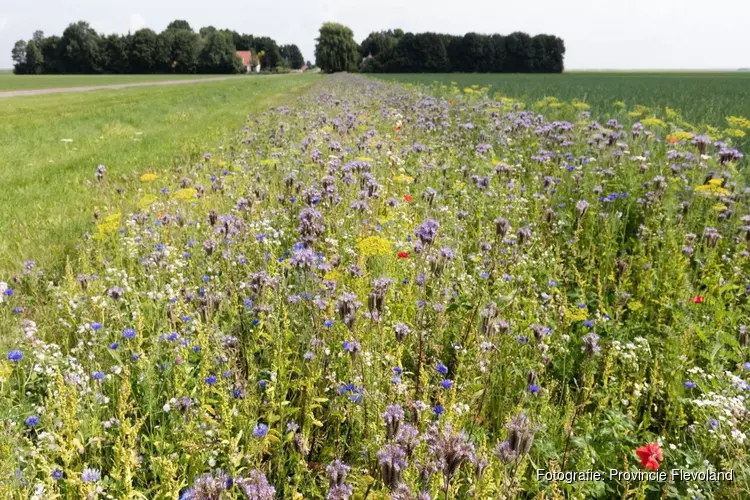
x=644, y=35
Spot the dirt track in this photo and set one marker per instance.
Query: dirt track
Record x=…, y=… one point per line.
x=18, y=93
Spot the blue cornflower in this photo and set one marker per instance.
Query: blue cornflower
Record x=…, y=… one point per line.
x=96, y=326
x=308, y=356
x=328, y=323
x=196, y=348
x=185, y=318
x=690, y=384
x=581, y=305
x=9, y=292
x=522, y=339
x=356, y=396
x=211, y=379
x=441, y=368
x=98, y=375
x=446, y=383
x=712, y=424
x=227, y=374
x=15, y=356
x=588, y=323
x=114, y=346
x=57, y=474
x=172, y=336
x=746, y=366
x=237, y=393
x=533, y=388
x=397, y=370
x=260, y=430
x=32, y=421
x=262, y=383
x=128, y=333
x=438, y=410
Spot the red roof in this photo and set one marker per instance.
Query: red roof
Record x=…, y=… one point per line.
x=245, y=56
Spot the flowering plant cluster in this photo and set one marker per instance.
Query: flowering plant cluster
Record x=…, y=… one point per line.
x=394, y=292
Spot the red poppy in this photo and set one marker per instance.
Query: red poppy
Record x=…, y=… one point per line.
x=698, y=299
x=408, y=198
x=403, y=255
x=672, y=140
x=650, y=455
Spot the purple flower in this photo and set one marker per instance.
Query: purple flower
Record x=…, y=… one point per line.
x=32, y=421
x=446, y=384
x=438, y=410
x=441, y=368
x=90, y=475
x=128, y=333
x=96, y=326
x=260, y=430
x=690, y=384
x=15, y=356
x=211, y=379
x=533, y=388
x=57, y=474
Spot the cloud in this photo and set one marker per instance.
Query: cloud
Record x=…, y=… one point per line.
x=3, y=23
x=136, y=22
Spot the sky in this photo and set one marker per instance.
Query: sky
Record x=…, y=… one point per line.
x=598, y=34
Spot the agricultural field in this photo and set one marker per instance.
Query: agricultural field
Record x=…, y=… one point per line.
x=50, y=143
x=376, y=290
x=9, y=81
x=701, y=98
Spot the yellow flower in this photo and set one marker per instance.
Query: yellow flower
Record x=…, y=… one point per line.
x=735, y=132
x=373, y=245
x=713, y=188
x=583, y=106
x=365, y=158
x=719, y=207
x=738, y=122
x=405, y=179
x=620, y=104
x=269, y=161
x=185, y=194
x=468, y=90
x=148, y=177
x=109, y=224
x=679, y=135
x=634, y=114
x=332, y=275
x=146, y=201
x=671, y=113
x=576, y=314
x=652, y=121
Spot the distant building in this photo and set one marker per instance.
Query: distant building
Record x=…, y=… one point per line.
x=247, y=61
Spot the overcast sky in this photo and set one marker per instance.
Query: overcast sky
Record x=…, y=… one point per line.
x=599, y=34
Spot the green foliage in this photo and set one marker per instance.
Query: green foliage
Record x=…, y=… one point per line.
x=335, y=48
x=177, y=49
x=218, y=55
x=291, y=56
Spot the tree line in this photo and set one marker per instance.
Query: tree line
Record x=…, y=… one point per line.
x=394, y=51
x=177, y=49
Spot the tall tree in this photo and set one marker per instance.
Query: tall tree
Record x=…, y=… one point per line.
x=179, y=24
x=80, y=49
x=335, y=48
x=34, y=59
x=218, y=55
x=144, y=51
x=18, y=54
x=292, y=56
x=116, y=56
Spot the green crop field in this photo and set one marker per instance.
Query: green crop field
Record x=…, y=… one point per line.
x=51, y=145
x=9, y=81
x=700, y=97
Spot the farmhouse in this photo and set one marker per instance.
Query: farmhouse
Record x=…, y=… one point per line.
x=247, y=61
